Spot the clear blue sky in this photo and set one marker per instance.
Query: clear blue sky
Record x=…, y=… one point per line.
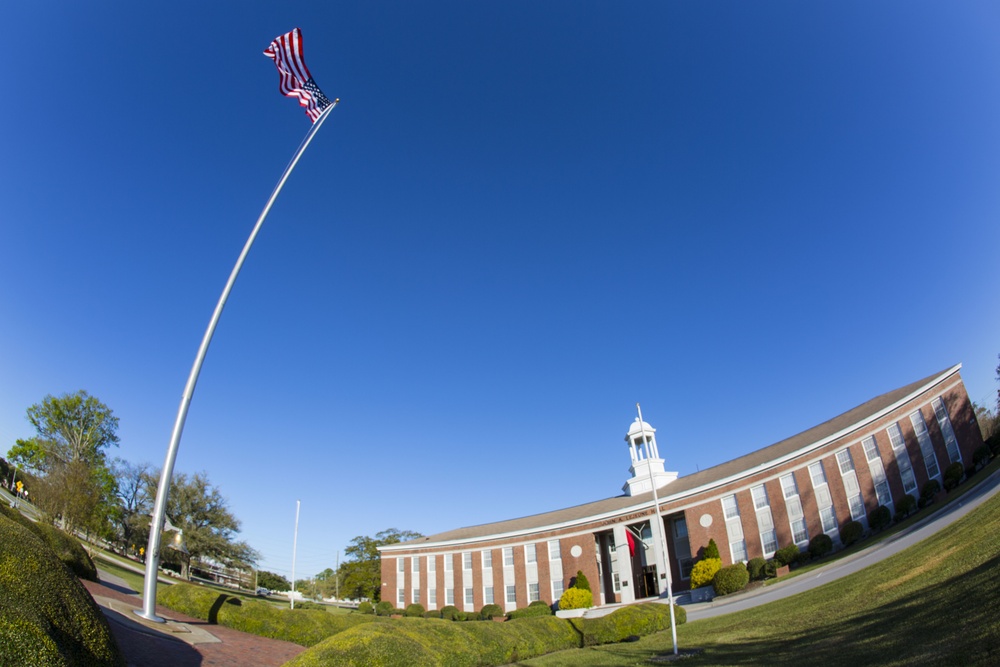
x=523, y=218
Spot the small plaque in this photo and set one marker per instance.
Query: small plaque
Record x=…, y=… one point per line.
x=705, y=520
x=576, y=551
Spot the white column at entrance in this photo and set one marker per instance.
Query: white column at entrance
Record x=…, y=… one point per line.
x=623, y=565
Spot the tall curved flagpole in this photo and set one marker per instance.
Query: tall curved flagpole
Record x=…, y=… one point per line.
x=148, y=610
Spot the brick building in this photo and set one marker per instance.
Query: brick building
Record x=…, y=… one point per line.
x=786, y=493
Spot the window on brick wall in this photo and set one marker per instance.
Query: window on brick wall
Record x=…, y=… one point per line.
x=851, y=487
x=449, y=562
x=467, y=560
x=824, y=501
x=926, y=447
x=487, y=559
x=765, y=522
x=529, y=553
x=449, y=596
x=416, y=563
x=734, y=528
x=416, y=596
x=488, y=595
x=400, y=598
x=469, y=599
x=557, y=589
x=511, y=594
x=533, y=592
x=432, y=598
x=902, y=459
x=877, y=471
x=401, y=565
x=944, y=423
x=554, y=552
x=431, y=564
x=793, y=507
x=508, y=556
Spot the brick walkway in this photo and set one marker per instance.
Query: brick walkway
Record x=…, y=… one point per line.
x=189, y=642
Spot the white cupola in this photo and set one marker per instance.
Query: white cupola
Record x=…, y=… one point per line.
x=646, y=462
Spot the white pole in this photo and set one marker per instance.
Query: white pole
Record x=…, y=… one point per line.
x=659, y=518
x=148, y=610
x=295, y=544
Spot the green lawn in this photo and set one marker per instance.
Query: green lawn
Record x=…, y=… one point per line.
x=932, y=604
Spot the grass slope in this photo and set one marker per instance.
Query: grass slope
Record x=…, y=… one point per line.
x=934, y=603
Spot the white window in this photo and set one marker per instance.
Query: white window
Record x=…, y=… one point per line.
x=487, y=559
x=416, y=596
x=400, y=597
x=533, y=592
x=682, y=548
x=449, y=596
x=902, y=459
x=765, y=522
x=467, y=560
x=824, y=501
x=488, y=595
x=793, y=506
x=877, y=471
x=432, y=598
x=557, y=589
x=416, y=563
x=529, y=553
x=401, y=565
x=851, y=487
x=616, y=581
x=737, y=545
x=508, y=556
x=431, y=564
x=511, y=594
x=926, y=447
x=554, y=552
x=469, y=600
x=944, y=423
x=449, y=562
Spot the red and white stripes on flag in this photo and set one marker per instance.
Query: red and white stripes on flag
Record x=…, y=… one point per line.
x=296, y=81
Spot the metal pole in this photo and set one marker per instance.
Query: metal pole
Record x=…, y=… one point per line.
x=295, y=544
x=148, y=610
x=659, y=518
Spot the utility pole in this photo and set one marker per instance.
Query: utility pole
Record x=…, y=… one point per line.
x=336, y=573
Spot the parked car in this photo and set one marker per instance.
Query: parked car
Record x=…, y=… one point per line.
x=263, y=592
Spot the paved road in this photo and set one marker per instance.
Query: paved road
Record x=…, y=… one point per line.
x=846, y=566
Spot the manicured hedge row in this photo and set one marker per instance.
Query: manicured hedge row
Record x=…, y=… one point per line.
x=406, y=642
x=66, y=547
x=47, y=617
x=305, y=627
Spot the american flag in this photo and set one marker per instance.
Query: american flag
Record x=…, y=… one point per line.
x=296, y=81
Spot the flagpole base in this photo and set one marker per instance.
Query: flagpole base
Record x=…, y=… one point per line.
x=141, y=613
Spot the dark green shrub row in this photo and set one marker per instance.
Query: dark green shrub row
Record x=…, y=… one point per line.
x=383, y=608
x=47, y=617
x=414, y=610
x=66, y=547
x=305, y=627
x=879, y=518
x=786, y=555
x=927, y=493
x=491, y=611
x=953, y=475
x=820, y=545
x=732, y=579
x=904, y=507
x=755, y=567
x=431, y=642
x=851, y=532
x=536, y=608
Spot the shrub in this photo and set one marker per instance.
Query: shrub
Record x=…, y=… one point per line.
x=581, y=581
x=851, y=532
x=66, y=547
x=731, y=579
x=756, y=568
x=704, y=571
x=927, y=493
x=575, y=598
x=366, y=607
x=535, y=609
x=414, y=610
x=490, y=611
x=820, y=545
x=906, y=505
x=786, y=555
x=305, y=627
x=449, y=613
x=383, y=608
x=953, y=475
x=633, y=620
x=712, y=550
x=433, y=613
x=879, y=518
x=770, y=570
x=47, y=617
x=981, y=456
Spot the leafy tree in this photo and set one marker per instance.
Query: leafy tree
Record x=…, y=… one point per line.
x=135, y=502
x=272, y=581
x=361, y=571
x=712, y=550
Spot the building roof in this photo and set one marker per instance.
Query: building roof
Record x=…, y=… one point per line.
x=716, y=475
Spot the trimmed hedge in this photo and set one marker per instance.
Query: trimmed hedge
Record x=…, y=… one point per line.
x=305, y=627
x=383, y=608
x=786, y=555
x=575, y=598
x=953, y=475
x=851, y=532
x=450, y=613
x=403, y=644
x=731, y=579
x=66, y=547
x=820, y=545
x=47, y=617
x=756, y=568
x=491, y=611
x=414, y=610
x=540, y=608
x=879, y=518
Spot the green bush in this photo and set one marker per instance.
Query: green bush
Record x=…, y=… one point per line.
x=879, y=518
x=581, y=581
x=537, y=608
x=953, y=475
x=305, y=627
x=906, y=505
x=47, y=617
x=755, y=566
x=432, y=613
x=575, y=598
x=927, y=493
x=366, y=607
x=704, y=571
x=771, y=568
x=633, y=620
x=66, y=547
x=851, y=532
x=414, y=610
x=981, y=457
x=731, y=579
x=450, y=613
x=786, y=555
x=490, y=611
x=383, y=608
x=820, y=545
x=712, y=550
